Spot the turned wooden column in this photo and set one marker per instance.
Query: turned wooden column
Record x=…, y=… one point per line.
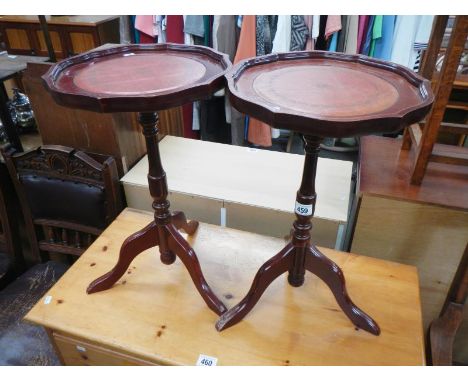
x=157, y=182
x=305, y=207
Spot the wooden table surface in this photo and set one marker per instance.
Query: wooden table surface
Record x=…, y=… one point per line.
x=155, y=313
x=11, y=64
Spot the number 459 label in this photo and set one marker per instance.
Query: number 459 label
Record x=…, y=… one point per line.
x=206, y=360
x=303, y=209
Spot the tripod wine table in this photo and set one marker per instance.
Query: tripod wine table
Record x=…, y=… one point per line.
x=145, y=79
x=320, y=94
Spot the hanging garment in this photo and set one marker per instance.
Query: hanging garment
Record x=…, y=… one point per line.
x=367, y=41
x=376, y=33
x=310, y=44
x=213, y=121
x=146, y=25
x=161, y=28
x=265, y=33
x=216, y=20
x=207, y=22
x=175, y=34
x=259, y=133
x=299, y=33
x=227, y=37
x=332, y=25
x=245, y=49
x=411, y=32
x=194, y=25
x=383, y=45
x=282, y=41
x=333, y=42
x=342, y=36
x=321, y=43
x=352, y=35
x=362, y=31
x=315, y=26
x=124, y=30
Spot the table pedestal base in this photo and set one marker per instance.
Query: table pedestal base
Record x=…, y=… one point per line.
x=299, y=255
x=163, y=231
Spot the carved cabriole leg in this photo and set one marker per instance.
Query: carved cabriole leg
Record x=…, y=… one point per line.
x=180, y=222
x=267, y=273
x=330, y=273
x=163, y=230
x=299, y=256
x=135, y=244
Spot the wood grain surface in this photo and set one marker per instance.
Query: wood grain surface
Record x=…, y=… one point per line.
x=154, y=313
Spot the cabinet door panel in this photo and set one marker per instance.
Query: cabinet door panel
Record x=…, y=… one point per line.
x=56, y=43
x=81, y=42
x=18, y=39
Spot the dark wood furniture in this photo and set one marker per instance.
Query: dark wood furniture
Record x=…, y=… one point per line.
x=117, y=134
x=423, y=140
x=67, y=197
x=321, y=94
x=70, y=35
x=444, y=329
x=11, y=254
x=11, y=67
x=145, y=78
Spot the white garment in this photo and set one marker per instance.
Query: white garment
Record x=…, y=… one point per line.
x=315, y=26
x=411, y=35
x=161, y=28
x=188, y=38
x=216, y=19
x=282, y=41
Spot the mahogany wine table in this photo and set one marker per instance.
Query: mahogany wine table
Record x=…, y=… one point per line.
x=145, y=79
x=321, y=94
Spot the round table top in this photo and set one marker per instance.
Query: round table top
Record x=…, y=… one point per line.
x=329, y=94
x=148, y=77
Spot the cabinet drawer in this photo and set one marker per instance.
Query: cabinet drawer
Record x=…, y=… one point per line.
x=80, y=353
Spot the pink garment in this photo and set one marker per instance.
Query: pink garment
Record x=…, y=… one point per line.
x=333, y=25
x=362, y=30
x=145, y=24
x=310, y=41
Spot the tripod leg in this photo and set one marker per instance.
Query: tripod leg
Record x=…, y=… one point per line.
x=180, y=222
x=267, y=273
x=186, y=254
x=320, y=265
x=131, y=248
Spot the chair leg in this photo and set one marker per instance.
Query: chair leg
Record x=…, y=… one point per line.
x=135, y=244
x=181, y=223
x=442, y=334
x=267, y=273
x=320, y=265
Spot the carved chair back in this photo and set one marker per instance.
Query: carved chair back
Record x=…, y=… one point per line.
x=67, y=196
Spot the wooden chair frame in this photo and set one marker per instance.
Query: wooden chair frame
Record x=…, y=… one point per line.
x=64, y=163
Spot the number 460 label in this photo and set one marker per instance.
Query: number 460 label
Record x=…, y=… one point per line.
x=303, y=209
x=206, y=360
